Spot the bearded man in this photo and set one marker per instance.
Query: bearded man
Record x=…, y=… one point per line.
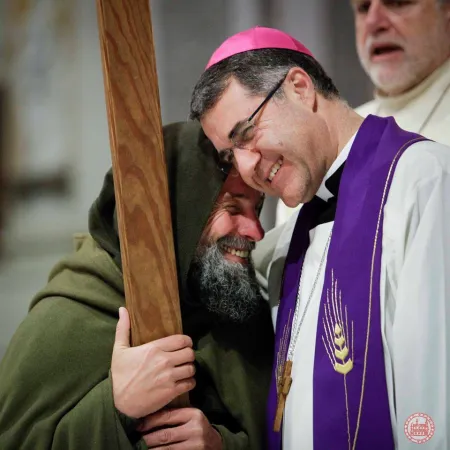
x=68, y=382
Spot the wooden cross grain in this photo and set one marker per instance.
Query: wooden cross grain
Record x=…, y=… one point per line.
x=139, y=168
x=284, y=387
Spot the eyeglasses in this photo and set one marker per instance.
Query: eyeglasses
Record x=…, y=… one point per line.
x=244, y=132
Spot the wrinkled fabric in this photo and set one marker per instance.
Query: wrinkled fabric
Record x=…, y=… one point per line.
x=55, y=383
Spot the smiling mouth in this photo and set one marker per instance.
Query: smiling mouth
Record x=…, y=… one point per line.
x=275, y=168
x=235, y=251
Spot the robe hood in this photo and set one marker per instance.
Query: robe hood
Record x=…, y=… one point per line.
x=194, y=181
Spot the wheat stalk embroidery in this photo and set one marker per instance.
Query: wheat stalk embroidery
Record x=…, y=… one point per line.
x=337, y=341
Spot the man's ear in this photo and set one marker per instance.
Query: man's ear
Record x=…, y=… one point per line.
x=301, y=87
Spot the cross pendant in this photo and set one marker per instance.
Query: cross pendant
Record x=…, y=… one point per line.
x=285, y=386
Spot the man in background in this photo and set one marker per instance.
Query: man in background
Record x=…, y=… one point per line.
x=404, y=47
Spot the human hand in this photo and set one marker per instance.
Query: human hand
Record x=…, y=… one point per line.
x=148, y=377
x=182, y=429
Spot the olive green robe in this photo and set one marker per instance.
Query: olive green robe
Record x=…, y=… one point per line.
x=55, y=381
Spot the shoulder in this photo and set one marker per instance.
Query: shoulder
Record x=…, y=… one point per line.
x=422, y=161
x=421, y=176
x=60, y=352
x=87, y=277
x=76, y=310
x=180, y=132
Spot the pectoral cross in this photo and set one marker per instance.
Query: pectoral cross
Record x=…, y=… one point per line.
x=285, y=386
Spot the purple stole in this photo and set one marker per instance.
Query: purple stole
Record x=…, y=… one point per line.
x=350, y=400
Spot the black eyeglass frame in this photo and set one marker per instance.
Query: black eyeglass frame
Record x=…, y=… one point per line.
x=226, y=157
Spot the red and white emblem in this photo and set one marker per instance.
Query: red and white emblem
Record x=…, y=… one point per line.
x=419, y=428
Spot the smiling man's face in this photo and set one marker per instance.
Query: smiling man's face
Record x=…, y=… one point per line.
x=292, y=145
x=234, y=222
x=222, y=276
x=401, y=42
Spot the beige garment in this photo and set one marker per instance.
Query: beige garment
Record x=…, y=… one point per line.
x=424, y=110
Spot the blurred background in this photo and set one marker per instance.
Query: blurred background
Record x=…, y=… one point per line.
x=54, y=145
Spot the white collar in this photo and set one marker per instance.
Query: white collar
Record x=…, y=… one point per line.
x=342, y=156
x=436, y=81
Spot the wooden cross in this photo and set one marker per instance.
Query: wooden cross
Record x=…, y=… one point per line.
x=285, y=386
x=139, y=168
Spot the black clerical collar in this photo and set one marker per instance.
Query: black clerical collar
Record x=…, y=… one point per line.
x=332, y=184
x=333, y=176
x=329, y=189
x=328, y=208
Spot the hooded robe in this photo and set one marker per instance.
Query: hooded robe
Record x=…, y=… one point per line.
x=55, y=380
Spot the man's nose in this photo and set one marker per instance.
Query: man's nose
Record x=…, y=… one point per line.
x=376, y=18
x=246, y=161
x=250, y=228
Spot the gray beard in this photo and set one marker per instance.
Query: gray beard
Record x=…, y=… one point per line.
x=228, y=289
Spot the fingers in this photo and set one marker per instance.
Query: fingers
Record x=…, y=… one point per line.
x=173, y=343
x=158, y=355
x=149, y=376
x=184, y=445
x=176, y=437
x=183, y=356
x=184, y=424
x=183, y=372
x=123, y=329
x=166, y=417
x=174, y=419
x=183, y=386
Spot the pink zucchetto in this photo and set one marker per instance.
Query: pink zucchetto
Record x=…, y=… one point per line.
x=254, y=39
